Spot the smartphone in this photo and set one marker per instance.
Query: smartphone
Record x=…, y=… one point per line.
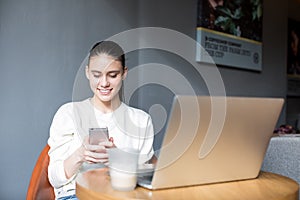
x=97, y=135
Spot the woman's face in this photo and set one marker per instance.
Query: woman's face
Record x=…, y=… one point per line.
x=105, y=75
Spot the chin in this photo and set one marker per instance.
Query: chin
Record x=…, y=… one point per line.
x=105, y=99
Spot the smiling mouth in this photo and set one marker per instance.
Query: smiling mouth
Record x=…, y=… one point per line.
x=104, y=91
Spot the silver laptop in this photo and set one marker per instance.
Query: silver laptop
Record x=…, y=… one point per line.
x=212, y=140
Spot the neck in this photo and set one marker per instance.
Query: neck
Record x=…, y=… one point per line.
x=106, y=106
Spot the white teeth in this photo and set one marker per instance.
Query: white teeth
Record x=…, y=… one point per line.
x=104, y=91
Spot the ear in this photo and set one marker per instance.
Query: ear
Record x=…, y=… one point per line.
x=87, y=72
x=124, y=75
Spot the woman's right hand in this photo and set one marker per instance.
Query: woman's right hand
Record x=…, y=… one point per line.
x=87, y=153
x=97, y=153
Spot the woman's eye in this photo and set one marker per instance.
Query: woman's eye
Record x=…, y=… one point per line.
x=114, y=75
x=96, y=75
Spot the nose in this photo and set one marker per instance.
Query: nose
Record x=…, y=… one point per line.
x=103, y=81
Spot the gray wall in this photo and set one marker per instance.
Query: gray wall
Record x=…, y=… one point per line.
x=42, y=45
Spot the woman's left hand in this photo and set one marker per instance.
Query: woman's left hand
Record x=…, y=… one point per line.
x=97, y=153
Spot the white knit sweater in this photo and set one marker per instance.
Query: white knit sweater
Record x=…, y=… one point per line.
x=130, y=127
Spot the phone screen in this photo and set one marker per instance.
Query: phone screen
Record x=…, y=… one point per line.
x=97, y=135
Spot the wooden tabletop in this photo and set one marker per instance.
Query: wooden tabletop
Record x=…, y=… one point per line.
x=95, y=185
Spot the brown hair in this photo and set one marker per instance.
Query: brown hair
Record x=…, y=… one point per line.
x=109, y=48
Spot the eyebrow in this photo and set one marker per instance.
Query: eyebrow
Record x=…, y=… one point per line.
x=95, y=71
x=112, y=71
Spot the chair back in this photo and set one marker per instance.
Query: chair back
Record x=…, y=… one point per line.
x=39, y=186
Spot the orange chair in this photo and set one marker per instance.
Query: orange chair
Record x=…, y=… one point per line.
x=39, y=187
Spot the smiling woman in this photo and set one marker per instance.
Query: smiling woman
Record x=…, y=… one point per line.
x=105, y=73
x=70, y=151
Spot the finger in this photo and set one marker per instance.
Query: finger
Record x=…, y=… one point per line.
x=96, y=155
x=106, y=144
x=86, y=140
x=96, y=148
x=104, y=161
x=91, y=160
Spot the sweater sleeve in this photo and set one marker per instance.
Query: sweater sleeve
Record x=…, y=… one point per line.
x=147, y=148
x=63, y=143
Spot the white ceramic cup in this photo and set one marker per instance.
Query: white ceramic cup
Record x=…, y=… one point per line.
x=123, y=168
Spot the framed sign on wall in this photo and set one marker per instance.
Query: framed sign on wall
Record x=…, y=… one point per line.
x=230, y=33
x=293, y=64
x=293, y=58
